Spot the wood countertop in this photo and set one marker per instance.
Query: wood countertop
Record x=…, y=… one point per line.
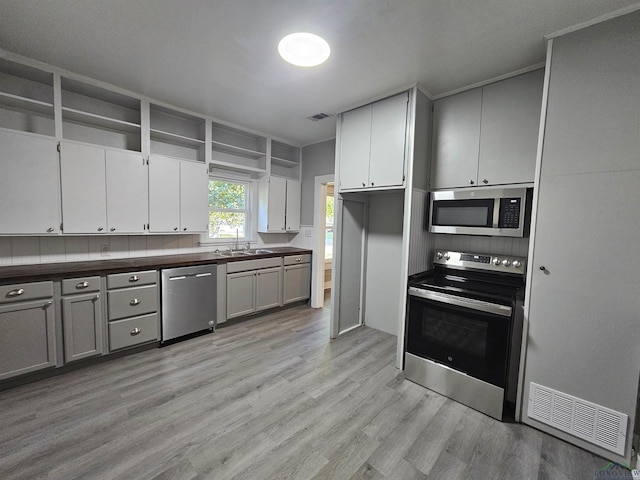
x=50, y=271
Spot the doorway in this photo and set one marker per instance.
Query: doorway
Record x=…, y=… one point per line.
x=323, y=242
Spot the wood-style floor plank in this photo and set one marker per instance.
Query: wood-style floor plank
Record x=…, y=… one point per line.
x=267, y=398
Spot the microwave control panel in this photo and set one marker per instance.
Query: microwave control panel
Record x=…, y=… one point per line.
x=509, y=213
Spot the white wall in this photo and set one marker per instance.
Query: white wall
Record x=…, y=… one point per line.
x=317, y=159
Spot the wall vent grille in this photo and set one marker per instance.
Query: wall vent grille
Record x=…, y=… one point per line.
x=594, y=423
x=319, y=116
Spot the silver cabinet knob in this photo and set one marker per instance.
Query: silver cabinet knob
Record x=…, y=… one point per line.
x=134, y=278
x=135, y=331
x=15, y=293
x=50, y=229
x=100, y=229
x=113, y=229
x=543, y=268
x=485, y=181
x=135, y=302
x=471, y=182
x=82, y=285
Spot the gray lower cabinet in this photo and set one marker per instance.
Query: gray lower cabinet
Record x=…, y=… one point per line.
x=297, y=278
x=253, y=286
x=133, y=306
x=27, y=328
x=82, y=324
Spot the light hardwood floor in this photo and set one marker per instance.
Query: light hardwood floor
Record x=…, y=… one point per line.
x=267, y=398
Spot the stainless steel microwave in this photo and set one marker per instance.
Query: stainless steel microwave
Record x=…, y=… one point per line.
x=503, y=212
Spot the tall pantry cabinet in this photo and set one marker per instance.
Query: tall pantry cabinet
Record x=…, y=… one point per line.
x=584, y=308
x=382, y=173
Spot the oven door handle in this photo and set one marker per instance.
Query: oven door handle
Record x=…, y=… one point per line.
x=472, y=304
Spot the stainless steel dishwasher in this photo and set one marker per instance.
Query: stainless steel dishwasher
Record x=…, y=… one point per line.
x=188, y=300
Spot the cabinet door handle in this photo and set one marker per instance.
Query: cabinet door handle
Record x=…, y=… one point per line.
x=82, y=285
x=135, y=331
x=184, y=229
x=15, y=293
x=50, y=229
x=298, y=259
x=485, y=181
x=372, y=184
x=134, y=278
x=97, y=296
x=364, y=184
x=100, y=229
x=113, y=229
x=175, y=229
x=135, y=302
x=471, y=182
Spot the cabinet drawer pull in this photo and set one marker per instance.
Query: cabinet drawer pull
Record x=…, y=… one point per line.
x=134, y=278
x=50, y=229
x=82, y=285
x=100, y=229
x=15, y=293
x=135, y=302
x=135, y=331
x=113, y=229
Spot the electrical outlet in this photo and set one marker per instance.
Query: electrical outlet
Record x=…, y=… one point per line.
x=104, y=250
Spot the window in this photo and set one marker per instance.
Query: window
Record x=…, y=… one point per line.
x=228, y=209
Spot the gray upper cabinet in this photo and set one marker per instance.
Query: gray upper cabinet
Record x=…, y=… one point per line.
x=27, y=328
x=488, y=136
x=509, y=134
x=373, y=145
x=29, y=165
x=456, y=140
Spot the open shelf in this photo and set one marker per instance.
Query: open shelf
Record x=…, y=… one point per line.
x=235, y=167
x=285, y=159
x=96, y=115
x=26, y=99
x=238, y=150
x=176, y=133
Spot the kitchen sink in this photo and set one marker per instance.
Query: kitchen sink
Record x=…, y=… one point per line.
x=243, y=253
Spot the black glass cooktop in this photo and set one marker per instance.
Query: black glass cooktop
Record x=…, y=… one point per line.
x=490, y=287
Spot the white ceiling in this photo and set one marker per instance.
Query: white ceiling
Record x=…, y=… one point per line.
x=219, y=57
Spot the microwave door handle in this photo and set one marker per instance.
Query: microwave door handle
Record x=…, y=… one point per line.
x=496, y=212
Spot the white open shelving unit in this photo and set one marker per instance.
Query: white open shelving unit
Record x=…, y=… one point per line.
x=92, y=114
x=238, y=150
x=176, y=134
x=26, y=99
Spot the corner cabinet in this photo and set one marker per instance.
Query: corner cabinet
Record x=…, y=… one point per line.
x=373, y=145
x=488, y=135
x=278, y=205
x=177, y=195
x=27, y=328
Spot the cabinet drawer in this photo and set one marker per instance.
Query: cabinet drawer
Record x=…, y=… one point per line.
x=19, y=292
x=130, y=302
x=245, y=265
x=133, y=279
x=80, y=285
x=295, y=259
x=133, y=331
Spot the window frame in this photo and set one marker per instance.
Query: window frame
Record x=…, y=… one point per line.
x=248, y=210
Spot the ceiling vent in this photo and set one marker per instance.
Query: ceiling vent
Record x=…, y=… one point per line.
x=594, y=423
x=318, y=116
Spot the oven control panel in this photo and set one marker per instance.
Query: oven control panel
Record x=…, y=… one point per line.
x=481, y=261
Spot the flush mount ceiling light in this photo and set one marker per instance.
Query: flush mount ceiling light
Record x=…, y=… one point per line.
x=304, y=49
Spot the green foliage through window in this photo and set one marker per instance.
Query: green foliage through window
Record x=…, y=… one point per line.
x=228, y=209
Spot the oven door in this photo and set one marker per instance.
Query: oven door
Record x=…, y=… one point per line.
x=468, y=335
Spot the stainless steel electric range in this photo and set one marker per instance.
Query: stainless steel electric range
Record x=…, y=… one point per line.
x=464, y=328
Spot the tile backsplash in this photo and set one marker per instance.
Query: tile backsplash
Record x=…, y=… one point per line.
x=34, y=250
